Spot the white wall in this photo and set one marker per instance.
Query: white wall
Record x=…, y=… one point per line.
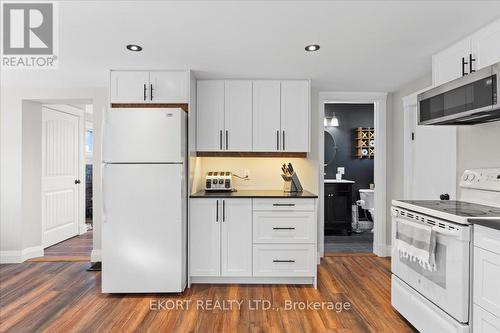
x=32, y=175
x=12, y=223
x=264, y=172
x=478, y=147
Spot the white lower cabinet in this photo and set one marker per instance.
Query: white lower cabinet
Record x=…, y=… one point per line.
x=236, y=252
x=245, y=240
x=283, y=260
x=486, y=280
x=484, y=322
x=204, y=240
x=220, y=237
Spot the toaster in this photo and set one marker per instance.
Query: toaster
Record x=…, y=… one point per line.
x=219, y=181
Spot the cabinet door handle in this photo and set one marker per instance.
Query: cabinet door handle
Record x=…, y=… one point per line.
x=283, y=228
x=145, y=92
x=278, y=140
x=471, y=60
x=223, y=210
x=463, y=66
x=217, y=211
x=220, y=140
x=284, y=140
x=227, y=140
x=151, y=91
x=283, y=205
x=278, y=260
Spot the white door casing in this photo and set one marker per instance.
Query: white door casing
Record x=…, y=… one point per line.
x=62, y=149
x=430, y=157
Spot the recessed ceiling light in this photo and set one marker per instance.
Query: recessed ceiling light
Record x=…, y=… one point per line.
x=312, y=47
x=133, y=47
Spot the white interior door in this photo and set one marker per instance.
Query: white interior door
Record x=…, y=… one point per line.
x=60, y=173
x=430, y=157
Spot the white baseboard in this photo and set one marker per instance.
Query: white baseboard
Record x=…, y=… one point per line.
x=16, y=257
x=32, y=252
x=95, y=255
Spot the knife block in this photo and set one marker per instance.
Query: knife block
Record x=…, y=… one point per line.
x=292, y=184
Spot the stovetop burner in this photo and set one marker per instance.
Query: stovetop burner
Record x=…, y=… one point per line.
x=459, y=208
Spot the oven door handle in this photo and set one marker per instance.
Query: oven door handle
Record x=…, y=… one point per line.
x=446, y=232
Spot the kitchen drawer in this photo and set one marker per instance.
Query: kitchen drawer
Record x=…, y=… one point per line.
x=486, y=283
x=487, y=238
x=284, y=260
x=283, y=227
x=279, y=204
x=483, y=321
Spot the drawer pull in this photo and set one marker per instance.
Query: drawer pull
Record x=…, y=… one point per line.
x=283, y=205
x=283, y=228
x=276, y=260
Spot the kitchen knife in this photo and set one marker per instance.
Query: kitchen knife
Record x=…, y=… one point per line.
x=283, y=168
x=290, y=167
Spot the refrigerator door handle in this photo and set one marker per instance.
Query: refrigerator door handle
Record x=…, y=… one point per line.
x=103, y=172
x=223, y=210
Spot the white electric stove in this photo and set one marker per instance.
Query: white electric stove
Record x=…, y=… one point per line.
x=439, y=301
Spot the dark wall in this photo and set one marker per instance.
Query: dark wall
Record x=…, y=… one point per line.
x=350, y=116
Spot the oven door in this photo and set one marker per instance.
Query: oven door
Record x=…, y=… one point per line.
x=448, y=286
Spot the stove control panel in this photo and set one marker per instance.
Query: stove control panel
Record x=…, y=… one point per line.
x=481, y=179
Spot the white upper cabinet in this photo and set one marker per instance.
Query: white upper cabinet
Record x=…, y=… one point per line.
x=129, y=87
x=266, y=115
x=295, y=116
x=447, y=65
x=210, y=115
x=149, y=87
x=238, y=115
x=486, y=45
x=468, y=55
x=168, y=87
x=259, y=116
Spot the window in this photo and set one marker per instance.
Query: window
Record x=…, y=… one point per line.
x=89, y=141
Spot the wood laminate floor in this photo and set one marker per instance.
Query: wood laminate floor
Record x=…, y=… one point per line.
x=77, y=248
x=64, y=297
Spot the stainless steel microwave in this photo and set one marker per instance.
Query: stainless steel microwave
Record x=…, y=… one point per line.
x=471, y=99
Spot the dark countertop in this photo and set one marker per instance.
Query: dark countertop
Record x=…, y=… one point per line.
x=252, y=194
x=489, y=223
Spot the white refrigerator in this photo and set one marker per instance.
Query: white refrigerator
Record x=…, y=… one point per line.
x=144, y=229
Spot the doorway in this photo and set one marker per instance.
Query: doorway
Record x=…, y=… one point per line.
x=379, y=101
x=54, y=178
x=349, y=153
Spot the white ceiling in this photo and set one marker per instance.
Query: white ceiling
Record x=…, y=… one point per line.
x=365, y=45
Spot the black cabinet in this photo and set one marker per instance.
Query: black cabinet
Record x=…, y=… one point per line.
x=338, y=213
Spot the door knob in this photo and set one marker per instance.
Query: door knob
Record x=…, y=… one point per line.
x=77, y=181
x=444, y=196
